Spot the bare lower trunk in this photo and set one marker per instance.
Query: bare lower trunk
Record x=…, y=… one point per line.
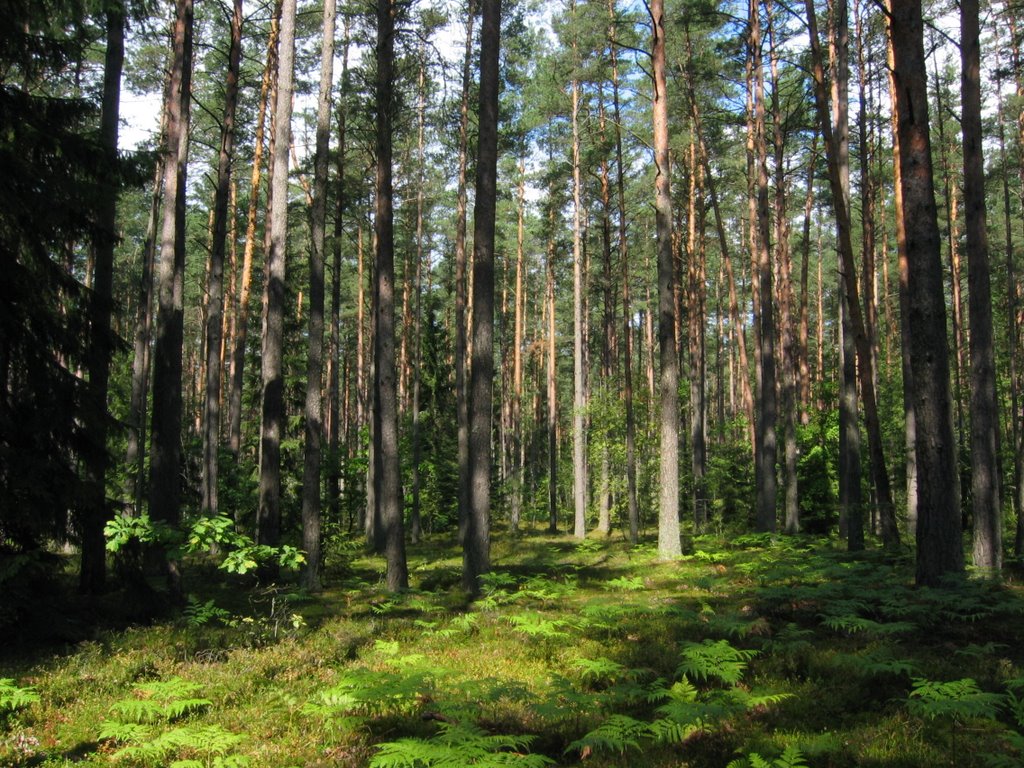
x=311, y=500
x=939, y=546
x=272, y=373
x=214, y=288
x=669, y=544
x=387, y=478
x=476, y=552
x=985, y=496
x=165, y=454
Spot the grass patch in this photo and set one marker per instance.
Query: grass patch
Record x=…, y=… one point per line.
x=754, y=651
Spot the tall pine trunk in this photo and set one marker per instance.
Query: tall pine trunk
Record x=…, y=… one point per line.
x=387, y=476
x=461, y=287
x=165, y=454
x=311, y=503
x=95, y=511
x=476, y=552
x=985, y=496
x=669, y=544
x=767, y=411
x=272, y=422
x=579, y=399
x=242, y=305
x=215, y=283
x=633, y=510
x=939, y=544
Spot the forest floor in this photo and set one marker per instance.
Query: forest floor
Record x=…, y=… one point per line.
x=755, y=650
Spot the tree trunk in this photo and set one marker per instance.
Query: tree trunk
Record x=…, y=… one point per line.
x=387, y=480
x=215, y=283
x=579, y=399
x=272, y=428
x=910, y=429
x=696, y=312
x=985, y=496
x=669, y=544
x=552, y=378
x=841, y=198
x=939, y=546
x=242, y=307
x=784, y=293
x=633, y=510
x=476, y=553
x=461, y=351
x=333, y=386
x=803, y=345
x=415, y=523
x=767, y=412
x=518, y=440
x=95, y=511
x=135, y=455
x=165, y=453
x=311, y=503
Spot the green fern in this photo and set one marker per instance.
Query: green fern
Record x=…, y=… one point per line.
x=14, y=697
x=625, y=584
x=956, y=700
x=600, y=670
x=714, y=659
x=536, y=625
x=618, y=734
x=790, y=758
x=198, y=614
x=458, y=745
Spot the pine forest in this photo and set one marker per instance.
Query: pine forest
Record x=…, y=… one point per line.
x=511, y=383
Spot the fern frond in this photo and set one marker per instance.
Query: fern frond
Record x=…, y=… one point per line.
x=618, y=733
x=715, y=660
x=179, y=708
x=955, y=699
x=536, y=625
x=124, y=733
x=139, y=710
x=601, y=668
x=14, y=697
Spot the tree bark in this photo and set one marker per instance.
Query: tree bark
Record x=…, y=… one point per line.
x=245, y=289
x=95, y=510
x=461, y=288
x=767, y=412
x=840, y=198
x=476, y=552
x=579, y=399
x=633, y=510
x=311, y=501
x=939, y=546
x=985, y=496
x=165, y=453
x=335, y=401
x=215, y=284
x=669, y=544
x=272, y=422
x=387, y=479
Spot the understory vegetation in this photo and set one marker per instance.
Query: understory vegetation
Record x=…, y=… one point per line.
x=754, y=650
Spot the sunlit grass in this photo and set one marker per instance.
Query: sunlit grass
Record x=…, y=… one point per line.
x=568, y=648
